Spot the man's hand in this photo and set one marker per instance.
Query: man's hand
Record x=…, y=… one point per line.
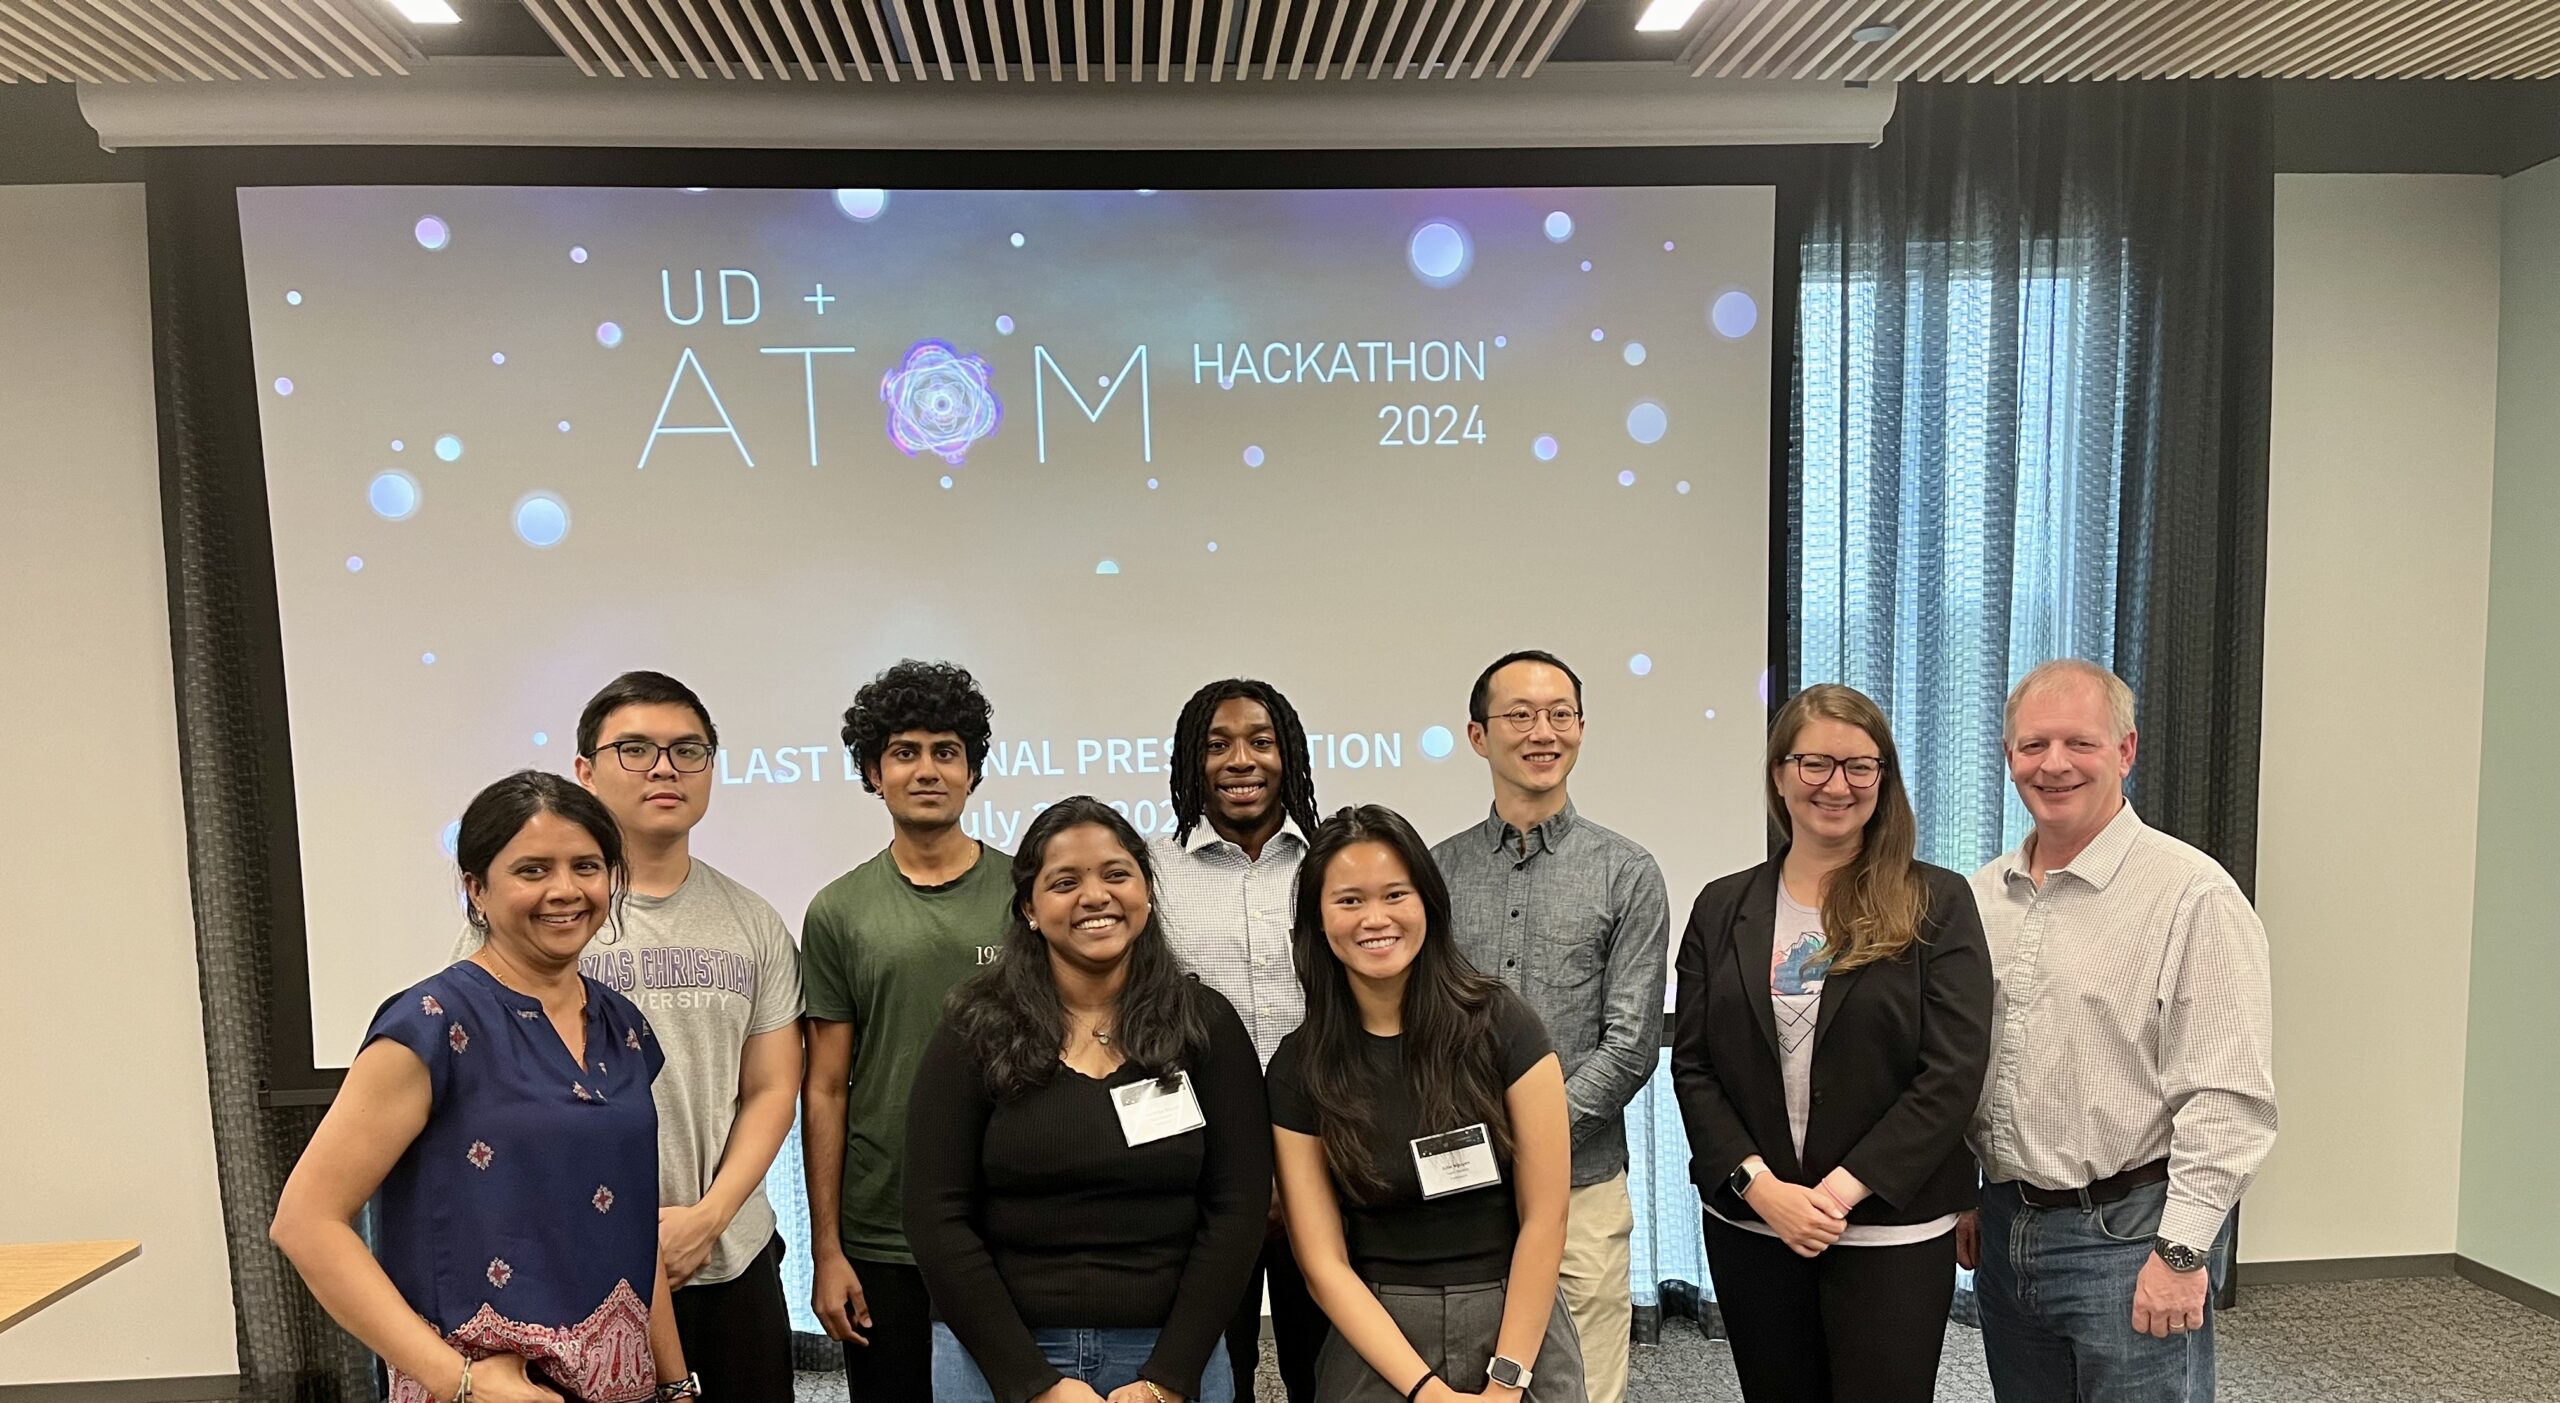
x=1969, y=1239
x=685, y=1239
x=2168, y=1302
x=836, y=1295
x=1803, y=1219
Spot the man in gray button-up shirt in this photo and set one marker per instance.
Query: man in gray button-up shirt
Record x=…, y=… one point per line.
x=1574, y=917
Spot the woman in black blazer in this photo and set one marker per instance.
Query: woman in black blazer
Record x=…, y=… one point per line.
x=1833, y=1023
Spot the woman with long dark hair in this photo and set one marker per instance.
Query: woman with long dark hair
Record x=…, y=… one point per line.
x=1088, y=1161
x=1833, y=1024
x=1424, y=1152
x=499, y=1116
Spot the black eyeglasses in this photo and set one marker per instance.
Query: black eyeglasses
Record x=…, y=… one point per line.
x=1863, y=770
x=690, y=757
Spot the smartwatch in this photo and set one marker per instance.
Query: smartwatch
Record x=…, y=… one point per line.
x=2180, y=1259
x=1508, y=1372
x=1744, y=1176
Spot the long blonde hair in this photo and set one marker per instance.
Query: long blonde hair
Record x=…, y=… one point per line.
x=1872, y=908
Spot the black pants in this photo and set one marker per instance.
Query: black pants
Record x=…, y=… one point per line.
x=1863, y=1323
x=897, y=1366
x=737, y=1333
x=1298, y=1327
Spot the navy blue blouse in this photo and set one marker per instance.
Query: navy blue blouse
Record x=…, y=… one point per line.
x=524, y=1217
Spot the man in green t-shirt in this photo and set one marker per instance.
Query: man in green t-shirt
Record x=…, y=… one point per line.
x=881, y=950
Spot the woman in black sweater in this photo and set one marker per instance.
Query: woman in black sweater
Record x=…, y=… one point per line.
x=1834, y=1022
x=1088, y=1159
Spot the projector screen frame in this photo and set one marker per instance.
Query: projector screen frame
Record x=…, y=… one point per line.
x=213, y=467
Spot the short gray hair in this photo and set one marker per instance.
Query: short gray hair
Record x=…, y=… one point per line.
x=2061, y=674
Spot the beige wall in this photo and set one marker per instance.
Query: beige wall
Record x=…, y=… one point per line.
x=102, y=1080
x=2385, y=412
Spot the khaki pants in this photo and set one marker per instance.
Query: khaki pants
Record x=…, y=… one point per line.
x=1598, y=1225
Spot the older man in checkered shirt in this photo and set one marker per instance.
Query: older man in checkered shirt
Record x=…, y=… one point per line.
x=2132, y=1094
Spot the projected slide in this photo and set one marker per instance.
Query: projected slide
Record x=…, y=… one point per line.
x=1098, y=446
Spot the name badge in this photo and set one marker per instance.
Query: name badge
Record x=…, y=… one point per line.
x=1158, y=1109
x=1455, y=1162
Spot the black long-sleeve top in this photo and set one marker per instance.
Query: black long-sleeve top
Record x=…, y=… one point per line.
x=1034, y=1211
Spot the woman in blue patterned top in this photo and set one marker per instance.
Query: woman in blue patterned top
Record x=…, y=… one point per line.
x=501, y=1113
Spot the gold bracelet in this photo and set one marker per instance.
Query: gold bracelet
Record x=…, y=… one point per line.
x=1159, y=1394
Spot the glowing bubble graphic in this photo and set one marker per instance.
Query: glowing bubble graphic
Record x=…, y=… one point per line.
x=1734, y=314
x=541, y=738
x=1640, y=664
x=449, y=448
x=864, y=205
x=946, y=482
x=427, y=658
x=451, y=836
x=293, y=299
x=1666, y=245
x=1146, y=192
x=398, y=447
x=1683, y=488
x=1646, y=423
x=1017, y=238
x=1545, y=448
x=564, y=426
x=1598, y=335
x=1586, y=265
x=609, y=334
x=393, y=496
x=497, y=358
x=1102, y=382
x=1711, y=713
x=1635, y=353
x=1626, y=477
x=432, y=234
x=940, y=401
x=354, y=563
x=1559, y=227
x=1213, y=548
x=578, y=254
x=1501, y=341
x=1440, y=253
x=1004, y=326
x=283, y=386
x=1108, y=567
x=1437, y=742
x=542, y=520
x=1253, y=456
x=1151, y=484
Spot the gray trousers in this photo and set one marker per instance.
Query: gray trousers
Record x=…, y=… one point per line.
x=1454, y=1329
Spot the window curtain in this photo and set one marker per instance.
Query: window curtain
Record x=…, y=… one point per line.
x=2029, y=421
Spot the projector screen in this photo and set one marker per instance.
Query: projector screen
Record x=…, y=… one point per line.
x=1099, y=447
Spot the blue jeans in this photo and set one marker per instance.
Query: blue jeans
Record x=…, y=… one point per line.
x=2056, y=1289
x=1105, y=1359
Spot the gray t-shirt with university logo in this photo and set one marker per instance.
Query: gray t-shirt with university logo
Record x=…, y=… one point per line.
x=712, y=965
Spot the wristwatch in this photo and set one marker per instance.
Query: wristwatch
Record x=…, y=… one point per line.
x=2180, y=1259
x=1510, y=1373
x=1744, y=1176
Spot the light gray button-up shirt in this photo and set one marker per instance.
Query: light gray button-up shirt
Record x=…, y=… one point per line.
x=1574, y=917
x=2132, y=1022
x=1228, y=917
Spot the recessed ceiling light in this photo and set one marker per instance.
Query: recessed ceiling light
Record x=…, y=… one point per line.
x=1874, y=33
x=426, y=11
x=1664, y=15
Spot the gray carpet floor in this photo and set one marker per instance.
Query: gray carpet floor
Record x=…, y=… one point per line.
x=2436, y=1340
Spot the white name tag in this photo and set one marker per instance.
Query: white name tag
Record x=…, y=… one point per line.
x=1158, y=1109
x=1455, y=1162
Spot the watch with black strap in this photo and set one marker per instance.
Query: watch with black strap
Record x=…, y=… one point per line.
x=2180, y=1258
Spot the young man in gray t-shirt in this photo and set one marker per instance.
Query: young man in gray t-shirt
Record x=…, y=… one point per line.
x=718, y=975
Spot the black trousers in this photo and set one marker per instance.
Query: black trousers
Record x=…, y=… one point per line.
x=1298, y=1327
x=1856, y=1323
x=737, y=1333
x=897, y=1366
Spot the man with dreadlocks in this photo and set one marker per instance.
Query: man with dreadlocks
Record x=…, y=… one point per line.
x=1224, y=892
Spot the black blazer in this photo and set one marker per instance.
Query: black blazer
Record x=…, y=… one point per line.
x=1899, y=1051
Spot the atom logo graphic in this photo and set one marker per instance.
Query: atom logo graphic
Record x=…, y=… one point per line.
x=940, y=401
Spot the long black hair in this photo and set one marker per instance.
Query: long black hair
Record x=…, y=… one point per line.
x=1191, y=743
x=1009, y=1013
x=498, y=813
x=1451, y=1044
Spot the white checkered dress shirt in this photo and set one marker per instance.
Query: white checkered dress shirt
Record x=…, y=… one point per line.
x=1228, y=918
x=2132, y=1021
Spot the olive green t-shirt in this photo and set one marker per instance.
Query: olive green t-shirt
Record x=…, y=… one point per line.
x=881, y=953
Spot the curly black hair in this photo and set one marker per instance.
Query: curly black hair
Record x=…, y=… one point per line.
x=919, y=696
x=1189, y=773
